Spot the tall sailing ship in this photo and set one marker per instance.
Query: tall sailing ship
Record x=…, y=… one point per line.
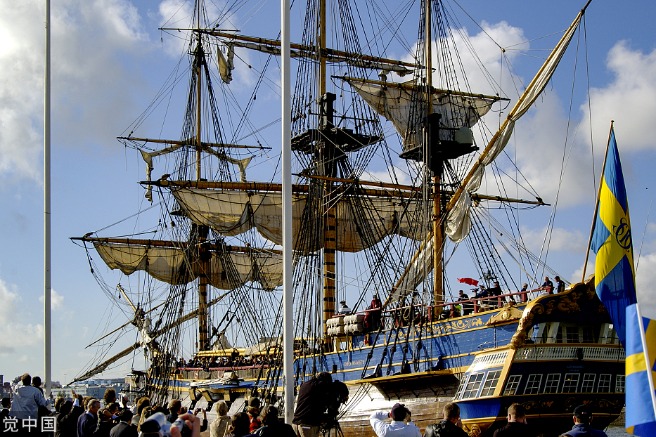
x=390, y=155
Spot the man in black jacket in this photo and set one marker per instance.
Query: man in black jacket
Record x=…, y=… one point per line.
x=450, y=426
x=124, y=428
x=517, y=426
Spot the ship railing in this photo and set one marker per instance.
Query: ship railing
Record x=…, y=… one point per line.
x=419, y=313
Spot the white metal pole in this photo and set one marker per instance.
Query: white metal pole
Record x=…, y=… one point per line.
x=288, y=289
x=46, y=216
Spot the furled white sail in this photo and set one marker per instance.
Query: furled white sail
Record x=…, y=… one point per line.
x=232, y=212
x=173, y=266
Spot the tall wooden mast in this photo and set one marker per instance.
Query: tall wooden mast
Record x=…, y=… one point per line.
x=199, y=61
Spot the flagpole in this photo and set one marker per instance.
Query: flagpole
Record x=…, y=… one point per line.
x=46, y=216
x=596, y=209
x=647, y=359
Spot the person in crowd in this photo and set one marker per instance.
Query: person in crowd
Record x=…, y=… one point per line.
x=175, y=405
x=146, y=412
x=239, y=426
x=219, y=426
x=311, y=403
x=105, y=423
x=27, y=400
x=124, y=427
x=560, y=284
x=253, y=412
x=88, y=422
x=343, y=308
x=141, y=403
x=516, y=426
x=68, y=415
x=36, y=382
x=547, y=286
x=272, y=426
x=4, y=413
x=109, y=397
x=582, y=418
x=397, y=427
x=449, y=426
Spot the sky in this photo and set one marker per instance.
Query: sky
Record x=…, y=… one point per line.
x=108, y=61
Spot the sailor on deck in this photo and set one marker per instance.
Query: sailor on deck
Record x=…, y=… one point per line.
x=343, y=308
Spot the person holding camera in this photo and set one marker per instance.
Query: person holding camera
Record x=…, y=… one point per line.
x=398, y=427
x=312, y=405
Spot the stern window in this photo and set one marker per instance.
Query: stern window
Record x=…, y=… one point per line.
x=552, y=383
x=619, y=383
x=474, y=383
x=490, y=383
x=587, y=386
x=604, y=383
x=512, y=384
x=533, y=384
x=571, y=382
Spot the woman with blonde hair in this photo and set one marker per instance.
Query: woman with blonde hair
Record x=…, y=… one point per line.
x=219, y=426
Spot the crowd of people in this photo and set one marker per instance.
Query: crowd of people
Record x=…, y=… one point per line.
x=316, y=413
x=28, y=413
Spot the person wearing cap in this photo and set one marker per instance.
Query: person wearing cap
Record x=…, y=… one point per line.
x=343, y=308
x=516, y=426
x=582, y=418
x=450, y=426
x=397, y=427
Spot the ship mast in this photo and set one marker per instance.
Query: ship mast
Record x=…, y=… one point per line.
x=438, y=227
x=327, y=167
x=199, y=59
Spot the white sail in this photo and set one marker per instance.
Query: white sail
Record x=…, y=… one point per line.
x=400, y=105
x=234, y=212
x=173, y=265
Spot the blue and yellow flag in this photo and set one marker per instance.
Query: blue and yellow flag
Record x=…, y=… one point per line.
x=611, y=241
x=640, y=373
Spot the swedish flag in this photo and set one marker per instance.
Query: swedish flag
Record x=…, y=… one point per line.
x=640, y=373
x=611, y=241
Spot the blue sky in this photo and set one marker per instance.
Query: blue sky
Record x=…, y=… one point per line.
x=109, y=60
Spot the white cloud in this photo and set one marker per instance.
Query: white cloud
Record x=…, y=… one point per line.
x=86, y=40
x=56, y=300
x=630, y=99
x=15, y=333
x=645, y=280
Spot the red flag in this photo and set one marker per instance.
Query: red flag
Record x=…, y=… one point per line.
x=470, y=281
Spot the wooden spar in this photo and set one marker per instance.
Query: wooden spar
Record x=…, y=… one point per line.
x=395, y=190
x=332, y=55
x=193, y=142
x=412, y=86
